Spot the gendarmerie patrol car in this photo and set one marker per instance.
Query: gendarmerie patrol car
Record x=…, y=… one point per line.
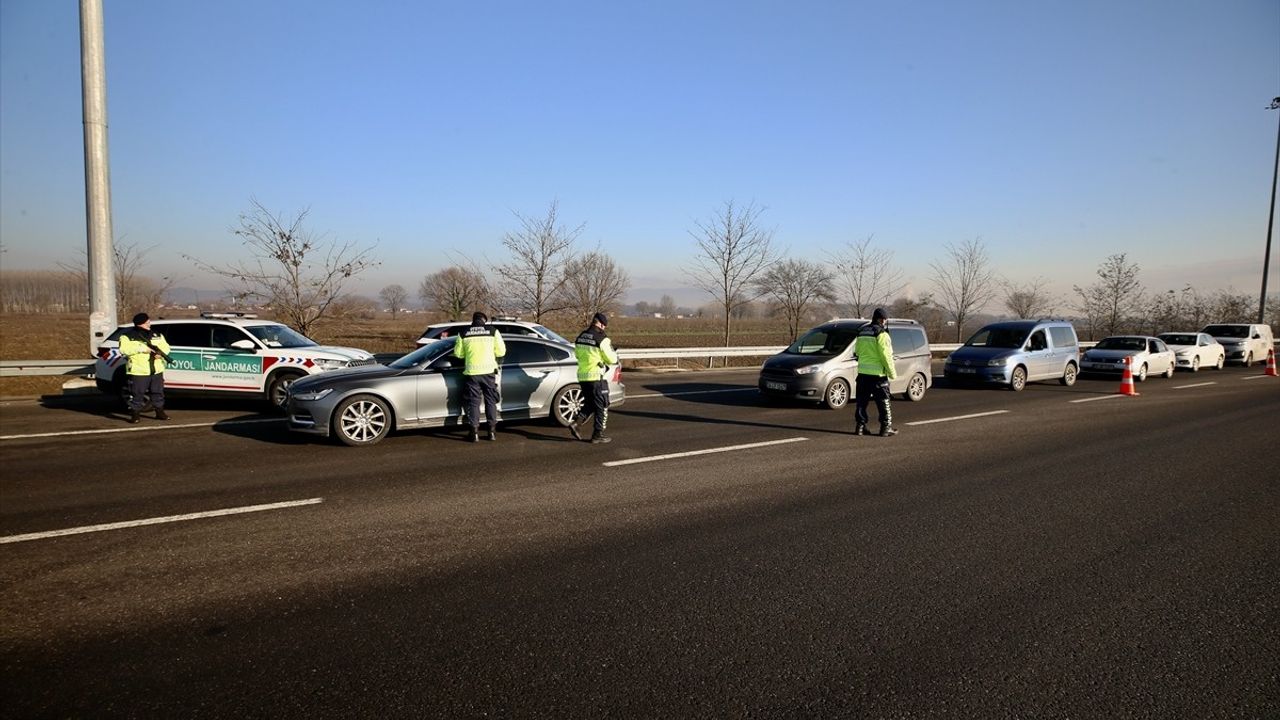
x=223, y=354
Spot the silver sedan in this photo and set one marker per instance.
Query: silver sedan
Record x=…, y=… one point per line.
x=538, y=378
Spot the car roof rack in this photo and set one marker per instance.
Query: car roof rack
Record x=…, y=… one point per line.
x=229, y=315
x=901, y=321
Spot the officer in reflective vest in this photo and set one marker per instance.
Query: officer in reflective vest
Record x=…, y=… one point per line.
x=146, y=352
x=480, y=346
x=595, y=355
x=875, y=369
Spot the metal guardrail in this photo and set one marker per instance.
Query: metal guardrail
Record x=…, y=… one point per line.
x=20, y=368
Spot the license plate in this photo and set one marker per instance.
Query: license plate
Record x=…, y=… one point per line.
x=775, y=385
x=966, y=371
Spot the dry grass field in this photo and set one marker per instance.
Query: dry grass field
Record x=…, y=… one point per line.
x=65, y=336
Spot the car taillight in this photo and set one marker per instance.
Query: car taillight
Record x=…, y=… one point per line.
x=617, y=373
x=103, y=351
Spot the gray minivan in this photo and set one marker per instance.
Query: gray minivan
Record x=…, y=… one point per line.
x=821, y=366
x=1016, y=352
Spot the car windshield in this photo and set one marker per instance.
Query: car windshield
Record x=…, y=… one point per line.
x=826, y=342
x=423, y=354
x=1176, y=339
x=280, y=336
x=1008, y=338
x=550, y=334
x=1232, y=331
x=1122, y=343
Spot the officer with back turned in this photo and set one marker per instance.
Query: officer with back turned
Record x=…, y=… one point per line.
x=595, y=354
x=875, y=369
x=480, y=346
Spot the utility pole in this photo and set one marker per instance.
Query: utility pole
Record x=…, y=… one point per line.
x=1271, y=218
x=97, y=176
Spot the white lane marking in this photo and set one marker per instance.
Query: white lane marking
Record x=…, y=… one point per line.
x=730, y=448
x=1255, y=377
x=957, y=417
x=1100, y=397
x=140, y=429
x=157, y=520
x=1184, y=387
x=687, y=392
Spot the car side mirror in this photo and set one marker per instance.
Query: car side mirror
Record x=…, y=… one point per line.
x=1257, y=336
x=444, y=363
x=244, y=345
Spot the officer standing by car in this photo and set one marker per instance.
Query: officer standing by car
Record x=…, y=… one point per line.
x=874, y=350
x=595, y=354
x=480, y=346
x=145, y=352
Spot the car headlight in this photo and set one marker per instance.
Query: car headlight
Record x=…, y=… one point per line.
x=808, y=369
x=311, y=396
x=998, y=362
x=330, y=364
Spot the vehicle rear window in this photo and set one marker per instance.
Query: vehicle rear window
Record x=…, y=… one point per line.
x=1062, y=336
x=1122, y=343
x=906, y=340
x=1174, y=339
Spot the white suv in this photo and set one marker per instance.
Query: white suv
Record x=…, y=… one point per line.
x=229, y=354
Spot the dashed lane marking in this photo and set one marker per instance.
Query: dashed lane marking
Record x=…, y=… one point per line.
x=1184, y=387
x=1255, y=377
x=957, y=417
x=730, y=448
x=158, y=520
x=145, y=428
x=1100, y=397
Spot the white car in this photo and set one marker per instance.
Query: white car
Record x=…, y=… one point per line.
x=1195, y=350
x=1146, y=355
x=229, y=354
x=505, y=327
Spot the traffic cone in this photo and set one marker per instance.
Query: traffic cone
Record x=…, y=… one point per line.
x=1271, y=362
x=1126, y=380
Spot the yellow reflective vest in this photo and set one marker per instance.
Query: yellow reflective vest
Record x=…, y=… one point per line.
x=875, y=352
x=140, y=359
x=480, y=347
x=595, y=353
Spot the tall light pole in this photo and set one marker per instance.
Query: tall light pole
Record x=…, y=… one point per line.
x=1271, y=219
x=97, y=176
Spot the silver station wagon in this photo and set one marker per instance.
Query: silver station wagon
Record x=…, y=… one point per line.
x=538, y=378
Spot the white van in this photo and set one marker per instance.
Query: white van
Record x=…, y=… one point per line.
x=229, y=354
x=1245, y=343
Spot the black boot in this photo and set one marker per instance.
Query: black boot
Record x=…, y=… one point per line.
x=860, y=430
x=474, y=435
x=134, y=417
x=161, y=414
x=493, y=435
x=600, y=438
x=888, y=431
x=573, y=430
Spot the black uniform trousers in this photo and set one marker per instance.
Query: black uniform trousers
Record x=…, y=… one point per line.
x=144, y=388
x=595, y=402
x=866, y=389
x=481, y=387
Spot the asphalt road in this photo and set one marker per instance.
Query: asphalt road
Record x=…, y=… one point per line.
x=1118, y=557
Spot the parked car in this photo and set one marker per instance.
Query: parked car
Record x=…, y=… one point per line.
x=820, y=366
x=1245, y=343
x=538, y=379
x=1195, y=350
x=229, y=354
x=1146, y=356
x=1016, y=352
x=508, y=328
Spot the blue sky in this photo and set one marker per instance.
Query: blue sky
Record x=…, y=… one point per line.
x=1058, y=132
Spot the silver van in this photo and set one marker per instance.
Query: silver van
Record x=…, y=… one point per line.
x=1016, y=352
x=821, y=366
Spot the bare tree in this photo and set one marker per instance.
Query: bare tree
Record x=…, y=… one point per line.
x=533, y=278
x=135, y=290
x=1030, y=300
x=964, y=279
x=667, y=306
x=733, y=251
x=295, y=273
x=455, y=291
x=1233, y=307
x=866, y=276
x=1109, y=303
x=394, y=298
x=594, y=283
x=796, y=286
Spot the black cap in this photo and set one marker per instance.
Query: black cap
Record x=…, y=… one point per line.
x=879, y=314
x=479, y=318
x=140, y=318
x=600, y=318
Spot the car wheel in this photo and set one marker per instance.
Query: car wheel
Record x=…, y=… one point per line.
x=1141, y=375
x=1195, y=364
x=837, y=394
x=1248, y=359
x=916, y=388
x=1169, y=373
x=1069, y=375
x=1222, y=362
x=1018, y=379
x=278, y=390
x=567, y=404
x=361, y=420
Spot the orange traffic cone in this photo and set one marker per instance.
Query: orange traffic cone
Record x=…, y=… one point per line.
x=1271, y=362
x=1126, y=380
